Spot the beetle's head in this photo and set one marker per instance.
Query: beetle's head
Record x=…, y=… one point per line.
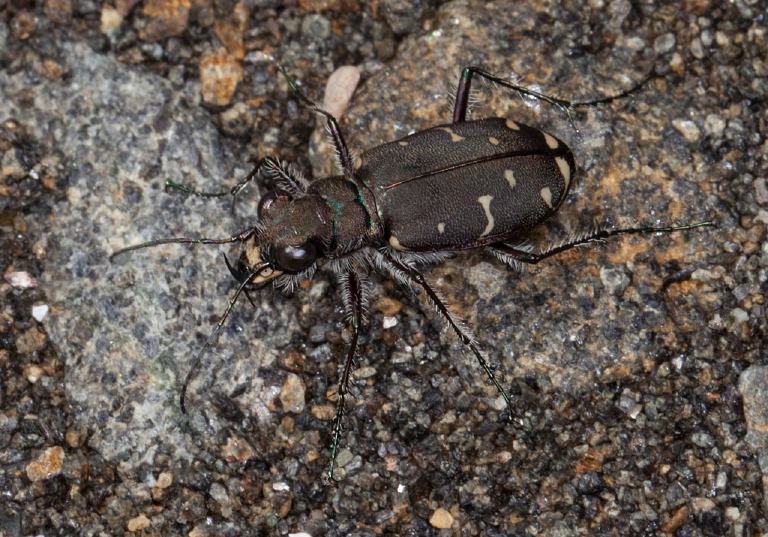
x=288, y=239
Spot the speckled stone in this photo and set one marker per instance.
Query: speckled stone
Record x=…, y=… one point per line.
x=623, y=361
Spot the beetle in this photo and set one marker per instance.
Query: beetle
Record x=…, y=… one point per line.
x=463, y=185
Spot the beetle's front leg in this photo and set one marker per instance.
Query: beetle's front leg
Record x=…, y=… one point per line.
x=229, y=192
x=353, y=294
x=282, y=179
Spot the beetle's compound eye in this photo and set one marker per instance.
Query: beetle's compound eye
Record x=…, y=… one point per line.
x=267, y=202
x=296, y=258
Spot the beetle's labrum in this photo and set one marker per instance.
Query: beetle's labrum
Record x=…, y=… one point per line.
x=399, y=206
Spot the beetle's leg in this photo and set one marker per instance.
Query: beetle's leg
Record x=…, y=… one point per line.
x=354, y=297
x=230, y=192
x=465, y=82
x=510, y=254
x=405, y=273
x=283, y=178
x=342, y=152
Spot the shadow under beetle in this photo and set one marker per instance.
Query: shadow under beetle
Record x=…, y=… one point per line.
x=405, y=204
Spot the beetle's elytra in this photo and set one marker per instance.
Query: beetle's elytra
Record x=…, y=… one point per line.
x=430, y=206
x=406, y=204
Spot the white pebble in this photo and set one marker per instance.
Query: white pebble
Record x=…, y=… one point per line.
x=39, y=312
x=21, y=280
x=339, y=89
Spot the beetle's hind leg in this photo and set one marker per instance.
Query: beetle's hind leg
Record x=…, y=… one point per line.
x=407, y=275
x=461, y=103
x=513, y=255
x=354, y=294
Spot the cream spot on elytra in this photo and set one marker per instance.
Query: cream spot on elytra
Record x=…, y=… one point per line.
x=546, y=195
x=509, y=175
x=565, y=170
x=485, y=202
x=551, y=141
x=454, y=137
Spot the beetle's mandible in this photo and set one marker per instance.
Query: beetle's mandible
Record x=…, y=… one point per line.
x=406, y=204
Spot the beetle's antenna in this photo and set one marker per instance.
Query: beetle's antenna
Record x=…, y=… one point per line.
x=185, y=240
x=212, y=337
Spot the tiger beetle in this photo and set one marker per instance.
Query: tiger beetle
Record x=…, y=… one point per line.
x=404, y=205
